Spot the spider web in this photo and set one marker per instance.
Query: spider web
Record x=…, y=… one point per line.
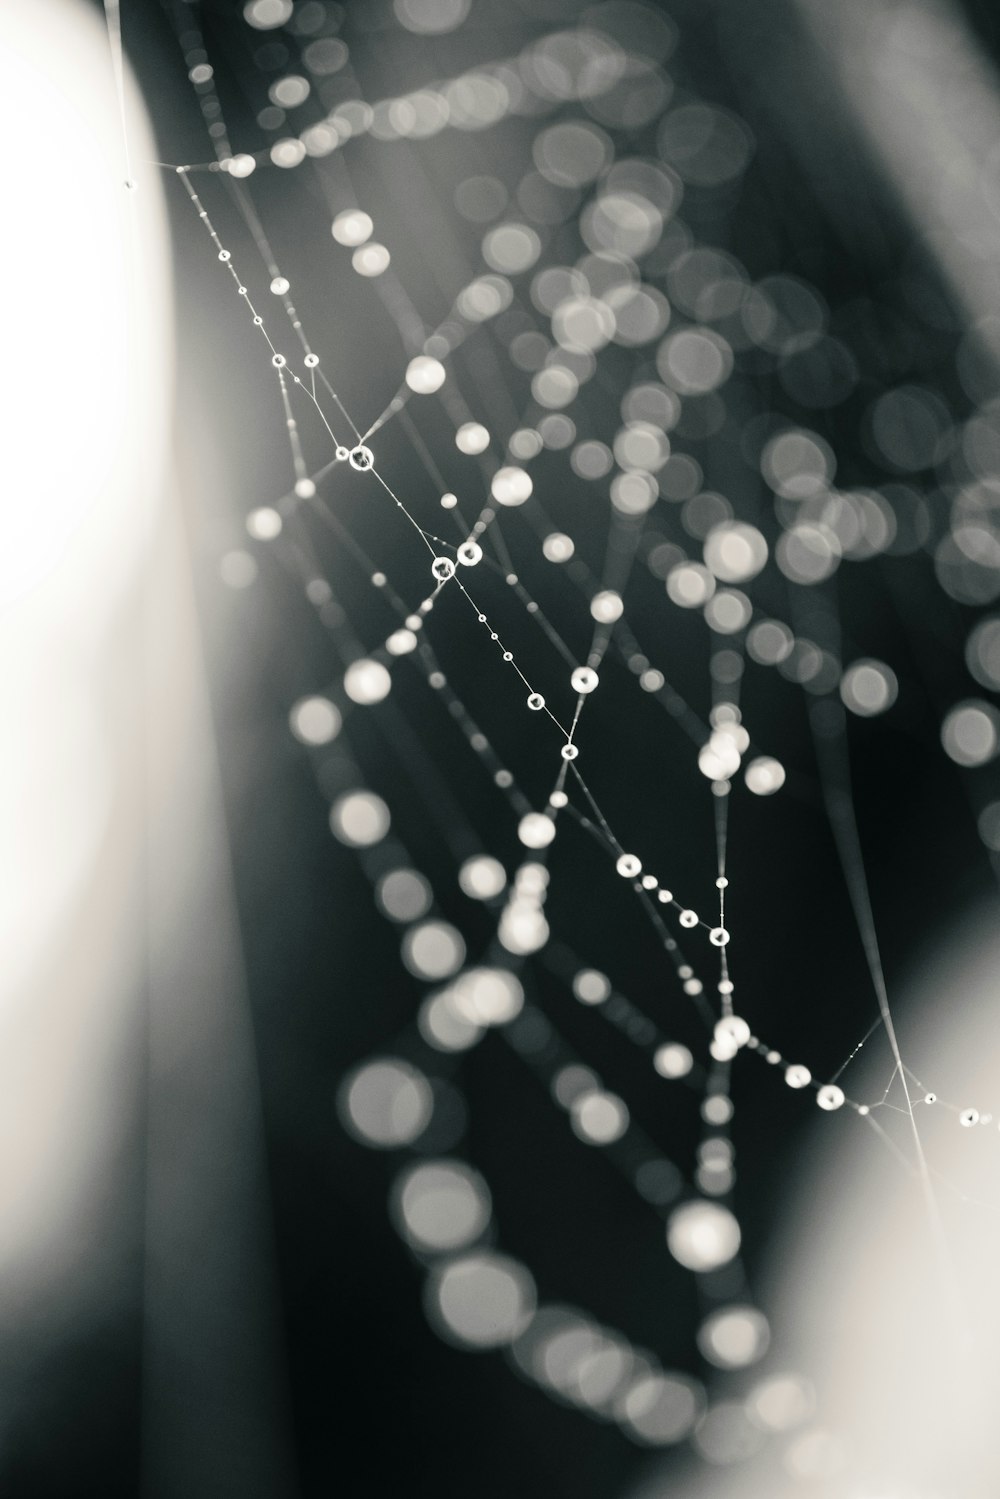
x=557, y=425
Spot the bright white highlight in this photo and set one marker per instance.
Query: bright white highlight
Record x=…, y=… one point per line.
x=441, y=1205
x=367, y=682
x=480, y=1300
x=315, y=720
x=424, y=375
x=702, y=1235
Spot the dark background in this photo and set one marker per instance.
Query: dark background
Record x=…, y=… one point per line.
x=376, y=1404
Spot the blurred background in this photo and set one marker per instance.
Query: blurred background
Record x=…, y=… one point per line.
x=724, y=281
